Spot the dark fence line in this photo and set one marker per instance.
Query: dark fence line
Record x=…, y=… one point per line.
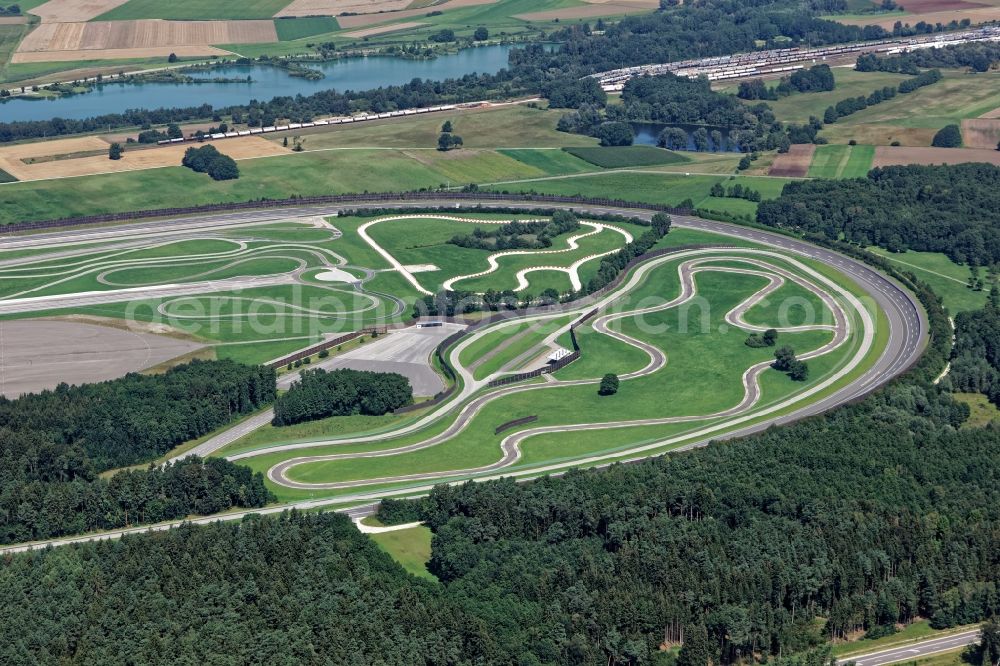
x=326, y=344
x=513, y=424
x=330, y=199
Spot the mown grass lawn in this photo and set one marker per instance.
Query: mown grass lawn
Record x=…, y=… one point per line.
x=410, y=547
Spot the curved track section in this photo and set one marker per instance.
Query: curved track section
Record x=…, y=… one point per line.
x=511, y=446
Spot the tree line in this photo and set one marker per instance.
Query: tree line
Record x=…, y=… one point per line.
x=319, y=394
x=950, y=209
x=975, y=362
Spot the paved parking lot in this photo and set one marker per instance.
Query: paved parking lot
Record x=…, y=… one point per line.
x=406, y=351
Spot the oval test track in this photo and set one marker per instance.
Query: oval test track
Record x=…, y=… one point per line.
x=906, y=320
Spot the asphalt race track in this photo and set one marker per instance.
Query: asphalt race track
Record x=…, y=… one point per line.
x=906, y=319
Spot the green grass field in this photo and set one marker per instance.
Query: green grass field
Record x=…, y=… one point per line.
x=194, y=10
x=615, y=157
x=411, y=548
x=797, y=108
x=982, y=411
x=913, y=119
x=299, y=28
x=946, y=278
x=841, y=161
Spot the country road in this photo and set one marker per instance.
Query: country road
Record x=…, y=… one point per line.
x=915, y=650
x=907, y=324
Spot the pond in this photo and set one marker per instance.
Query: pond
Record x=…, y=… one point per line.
x=647, y=134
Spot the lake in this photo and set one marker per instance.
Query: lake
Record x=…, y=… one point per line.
x=268, y=82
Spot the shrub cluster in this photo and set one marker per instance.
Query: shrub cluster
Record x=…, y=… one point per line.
x=208, y=159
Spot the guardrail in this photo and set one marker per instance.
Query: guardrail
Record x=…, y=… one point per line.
x=513, y=424
x=331, y=199
x=326, y=344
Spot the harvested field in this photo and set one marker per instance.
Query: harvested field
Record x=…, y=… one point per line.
x=13, y=20
x=381, y=30
x=76, y=353
x=71, y=11
x=592, y=10
x=889, y=155
x=145, y=34
x=337, y=7
x=135, y=159
x=924, y=6
x=117, y=54
x=981, y=133
x=795, y=163
x=365, y=20
x=980, y=14
x=995, y=113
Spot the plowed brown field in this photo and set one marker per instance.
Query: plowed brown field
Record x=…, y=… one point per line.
x=795, y=163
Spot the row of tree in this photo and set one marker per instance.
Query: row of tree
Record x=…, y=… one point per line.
x=342, y=392
x=950, y=209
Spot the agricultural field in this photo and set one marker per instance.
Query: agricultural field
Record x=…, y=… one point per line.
x=512, y=148
x=913, y=119
x=841, y=161
x=705, y=346
x=928, y=11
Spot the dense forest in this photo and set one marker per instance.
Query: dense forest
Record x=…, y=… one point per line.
x=341, y=392
x=707, y=28
x=54, y=444
x=300, y=589
x=949, y=209
x=975, y=364
x=94, y=427
x=46, y=508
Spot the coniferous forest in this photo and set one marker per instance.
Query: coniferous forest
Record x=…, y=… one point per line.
x=55, y=444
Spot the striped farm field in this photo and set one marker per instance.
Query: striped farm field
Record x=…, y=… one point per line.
x=840, y=161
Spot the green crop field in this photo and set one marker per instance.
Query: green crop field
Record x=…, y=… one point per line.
x=614, y=157
x=299, y=28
